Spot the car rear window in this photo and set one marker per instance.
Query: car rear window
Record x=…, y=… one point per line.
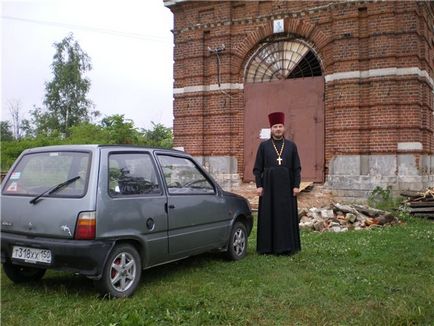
x=36, y=173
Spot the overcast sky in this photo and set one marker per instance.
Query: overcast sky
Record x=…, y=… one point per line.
x=129, y=42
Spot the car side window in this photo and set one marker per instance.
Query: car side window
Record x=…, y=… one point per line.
x=183, y=176
x=132, y=174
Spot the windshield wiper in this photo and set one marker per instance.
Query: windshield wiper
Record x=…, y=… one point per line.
x=53, y=189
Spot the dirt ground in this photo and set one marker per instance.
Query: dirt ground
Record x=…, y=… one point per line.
x=315, y=195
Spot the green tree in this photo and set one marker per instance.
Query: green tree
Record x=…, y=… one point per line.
x=5, y=131
x=121, y=130
x=26, y=128
x=65, y=99
x=159, y=136
x=88, y=133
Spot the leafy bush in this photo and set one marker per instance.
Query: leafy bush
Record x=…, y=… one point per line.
x=382, y=198
x=114, y=129
x=10, y=150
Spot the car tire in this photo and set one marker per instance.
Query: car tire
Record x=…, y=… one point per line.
x=23, y=274
x=121, y=273
x=237, y=245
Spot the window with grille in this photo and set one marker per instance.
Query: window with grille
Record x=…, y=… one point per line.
x=282, y=60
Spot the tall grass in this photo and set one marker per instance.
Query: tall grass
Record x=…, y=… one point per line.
x=381, y=276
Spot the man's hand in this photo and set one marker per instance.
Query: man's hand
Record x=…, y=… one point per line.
x=295, y=191
x=259, y=191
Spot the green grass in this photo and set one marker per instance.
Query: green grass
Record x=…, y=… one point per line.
x=370, y=277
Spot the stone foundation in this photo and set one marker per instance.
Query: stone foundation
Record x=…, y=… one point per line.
x=353, y=177
x=223, y=169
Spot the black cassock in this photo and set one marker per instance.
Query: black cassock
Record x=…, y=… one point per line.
x=278, y=230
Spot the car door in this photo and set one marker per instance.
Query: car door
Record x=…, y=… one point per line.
x=198, y=220
x=131, y=202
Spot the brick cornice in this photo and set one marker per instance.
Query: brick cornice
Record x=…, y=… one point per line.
x=264, y=18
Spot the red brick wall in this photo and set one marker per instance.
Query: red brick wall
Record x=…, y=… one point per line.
x=362, y=115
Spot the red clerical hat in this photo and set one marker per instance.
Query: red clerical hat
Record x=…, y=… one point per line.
x=276, y=118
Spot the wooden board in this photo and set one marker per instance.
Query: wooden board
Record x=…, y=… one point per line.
x=305, y=186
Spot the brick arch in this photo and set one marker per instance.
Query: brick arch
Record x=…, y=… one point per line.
x=316, y=40
x=297, y=27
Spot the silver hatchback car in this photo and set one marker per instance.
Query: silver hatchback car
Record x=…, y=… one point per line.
x=107, y=212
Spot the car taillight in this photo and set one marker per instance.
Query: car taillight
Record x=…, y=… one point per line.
x=86, y=226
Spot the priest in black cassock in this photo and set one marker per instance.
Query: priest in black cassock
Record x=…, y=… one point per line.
x=277, y=174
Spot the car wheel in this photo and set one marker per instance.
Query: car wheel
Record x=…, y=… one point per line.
x=237, y=246
x=121, y=273
x=22, y=274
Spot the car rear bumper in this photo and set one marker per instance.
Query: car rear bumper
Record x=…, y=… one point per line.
x=77, y=256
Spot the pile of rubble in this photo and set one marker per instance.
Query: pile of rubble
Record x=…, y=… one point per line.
x=341, y=218
x=420, y=203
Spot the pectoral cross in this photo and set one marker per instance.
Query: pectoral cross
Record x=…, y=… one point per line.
x=279, y=160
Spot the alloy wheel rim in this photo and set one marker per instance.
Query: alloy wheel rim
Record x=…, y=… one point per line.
x=239, y=242
x=123, y=272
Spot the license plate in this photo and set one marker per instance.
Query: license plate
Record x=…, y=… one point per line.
x=31, y=255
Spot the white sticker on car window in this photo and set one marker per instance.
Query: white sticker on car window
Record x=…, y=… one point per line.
x=16, y=175
x=13, y=187
x=54, y=154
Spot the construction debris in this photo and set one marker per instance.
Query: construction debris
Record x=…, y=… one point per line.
x=420, y=203
x=340, y=218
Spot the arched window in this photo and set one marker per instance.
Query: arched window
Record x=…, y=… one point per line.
x=282, y=60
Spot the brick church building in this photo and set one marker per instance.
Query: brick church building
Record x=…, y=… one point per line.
x=355, y=80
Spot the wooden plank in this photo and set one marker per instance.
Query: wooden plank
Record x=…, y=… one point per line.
x=421, y=204
x=305, y=186
x=429, y=215
x=411, y=193
x=422, y=209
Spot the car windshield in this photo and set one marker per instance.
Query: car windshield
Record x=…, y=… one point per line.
x=36, y=173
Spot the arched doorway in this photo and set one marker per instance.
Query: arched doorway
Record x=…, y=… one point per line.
x=286, y=76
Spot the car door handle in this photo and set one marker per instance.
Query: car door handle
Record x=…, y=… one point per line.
x=167, y=207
